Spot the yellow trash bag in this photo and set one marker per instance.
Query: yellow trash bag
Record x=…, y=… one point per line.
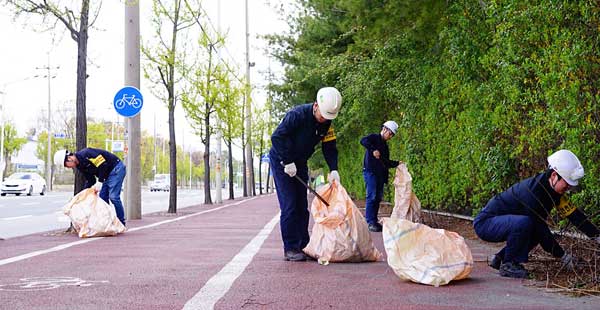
x=406, y=204
x=340, y=232
x=421, y=254
x=91, y=216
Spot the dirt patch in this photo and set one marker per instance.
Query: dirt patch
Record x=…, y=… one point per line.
x=548, y=271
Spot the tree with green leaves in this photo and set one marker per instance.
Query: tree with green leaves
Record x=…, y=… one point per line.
x=78, y=24
x=230, y=116
x=12, y=145
x=163, y=56
x=201, y=99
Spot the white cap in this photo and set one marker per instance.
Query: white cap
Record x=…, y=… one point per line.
x=329, y=100
x=567, y=165
x=391, y=125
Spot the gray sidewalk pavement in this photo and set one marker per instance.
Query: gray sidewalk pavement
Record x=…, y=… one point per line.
x=230, y=256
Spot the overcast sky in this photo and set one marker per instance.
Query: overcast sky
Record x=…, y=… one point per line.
x=24, y=50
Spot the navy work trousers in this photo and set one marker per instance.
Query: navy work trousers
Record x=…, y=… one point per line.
x=522, y=233
x=374, y=195
x=111, y=189
x=293, y=203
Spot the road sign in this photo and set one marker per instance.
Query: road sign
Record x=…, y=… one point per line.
x=118, y=145
x=128, y=101
x=265, y=158
x=60, y=135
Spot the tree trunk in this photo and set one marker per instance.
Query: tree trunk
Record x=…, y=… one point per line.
x=244, y=179
x=252, y=178
x=268, y=176
x=260, y=175
x=207, y=197
x=230, y=159
x=170, y=80
x=172, y=154
x=80, y=101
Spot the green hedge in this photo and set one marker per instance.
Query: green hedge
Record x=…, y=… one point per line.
x=483, y=91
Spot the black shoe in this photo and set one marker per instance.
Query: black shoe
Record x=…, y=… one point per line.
x=513, y=270
x=495, y=261
x=375, y=227
x=295, y=256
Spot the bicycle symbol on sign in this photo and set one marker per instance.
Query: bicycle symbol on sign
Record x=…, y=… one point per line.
x=129, y=100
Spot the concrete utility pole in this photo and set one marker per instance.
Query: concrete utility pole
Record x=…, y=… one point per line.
x=132, y=78
x=249, y=162
x=49, y=129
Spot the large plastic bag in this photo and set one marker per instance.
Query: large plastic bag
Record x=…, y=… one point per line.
x=421, y=254
x=91, y=216
x=406, y=204
x=340, y=233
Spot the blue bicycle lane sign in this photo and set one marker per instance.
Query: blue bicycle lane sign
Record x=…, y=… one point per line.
x=128, y=101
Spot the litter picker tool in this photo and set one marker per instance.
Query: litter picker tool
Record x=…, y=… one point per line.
x=309, y=188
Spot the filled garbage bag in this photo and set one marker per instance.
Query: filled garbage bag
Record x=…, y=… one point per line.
x=91, y=216
x=421, y=254
x=340, y=232
x=406, y=204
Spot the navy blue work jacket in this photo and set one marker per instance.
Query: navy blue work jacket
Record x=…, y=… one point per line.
x=95, y=163
x=380, y=166
x=295, y=138
x=535, y=198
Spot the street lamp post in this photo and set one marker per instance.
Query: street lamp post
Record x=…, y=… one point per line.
x=49, y=131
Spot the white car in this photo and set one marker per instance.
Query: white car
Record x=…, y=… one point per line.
x=162, y=182
x=23, y=183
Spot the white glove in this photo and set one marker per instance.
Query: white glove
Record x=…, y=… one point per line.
x=333, y=175
x=290, y=169
x=568, y=261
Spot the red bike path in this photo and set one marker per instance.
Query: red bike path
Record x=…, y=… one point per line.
x=229, y=256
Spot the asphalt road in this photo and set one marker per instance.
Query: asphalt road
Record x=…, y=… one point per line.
x=23, y=215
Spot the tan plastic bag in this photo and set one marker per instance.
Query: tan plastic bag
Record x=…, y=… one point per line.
x=340, y=233
x=406, y=204
x=91, y=216
x=421, y=254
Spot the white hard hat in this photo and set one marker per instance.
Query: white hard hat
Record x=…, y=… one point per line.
x=330, y=102
x=391, y=125
x=60, y=156
x=567, y=165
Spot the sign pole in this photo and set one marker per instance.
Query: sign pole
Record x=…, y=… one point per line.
x=132, y=77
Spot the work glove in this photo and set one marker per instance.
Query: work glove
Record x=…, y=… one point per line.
x=568, y=261
x=333, y=175
x=290, y=169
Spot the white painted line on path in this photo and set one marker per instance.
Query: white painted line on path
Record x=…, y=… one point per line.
x=16, y=217
x=220, y=283
x=70, y=244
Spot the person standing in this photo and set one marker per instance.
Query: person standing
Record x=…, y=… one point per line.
x=293, y=143
x=518, y=216
x=107, y=167
x=376, y=163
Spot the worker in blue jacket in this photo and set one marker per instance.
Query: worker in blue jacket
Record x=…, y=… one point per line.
x=518, y=216
x=107, y=167
x=293, y=142
x=376, y=165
